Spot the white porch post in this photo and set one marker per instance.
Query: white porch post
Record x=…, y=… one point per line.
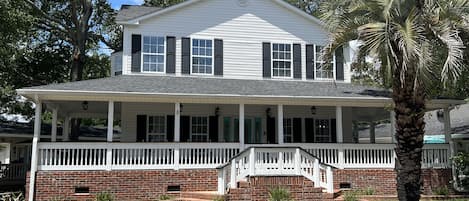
x=339, y=130
x=177, y=133
x=393, y=126
x=34, y=156
x=65, y=129
x=53, y=134
x=447, y=125
x=280, y=124
x=372, y=132
x=241, y=126
x=110, y=132
x=340, y=136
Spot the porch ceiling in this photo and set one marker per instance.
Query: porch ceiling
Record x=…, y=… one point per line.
x=197, y=89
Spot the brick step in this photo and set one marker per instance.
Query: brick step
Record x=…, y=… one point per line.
x=190, y=199
x=204, y=195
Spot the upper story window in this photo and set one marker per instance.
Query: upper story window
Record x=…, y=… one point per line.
x=153, y=54
x=323, y=71
x=202, y=56
x=281, y=60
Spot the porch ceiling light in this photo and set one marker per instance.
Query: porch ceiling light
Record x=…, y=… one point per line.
x=84, y=105
x=217, y=111
x=313, y=110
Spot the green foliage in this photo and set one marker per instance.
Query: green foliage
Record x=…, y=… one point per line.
x=441, y=191
x=279, y=194
x=351, y=196
x=220, y=198
x=165, y=197
x=461, y=164
x=104, y=196
x=15, y=196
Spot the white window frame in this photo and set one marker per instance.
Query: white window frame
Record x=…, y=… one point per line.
x=285, y=128
x=272, y=59
x=316, y=133
x=165, y=134
x=200, y=134
x=322, y=62
x=154, y=54
x=213, y=55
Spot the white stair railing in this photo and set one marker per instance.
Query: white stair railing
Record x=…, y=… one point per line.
x=274, y=161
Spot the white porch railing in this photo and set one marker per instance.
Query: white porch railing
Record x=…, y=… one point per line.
x=274, y=161
x=118, y=156
x=109, y=156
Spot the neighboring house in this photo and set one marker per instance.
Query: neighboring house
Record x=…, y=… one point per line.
x=237, y=85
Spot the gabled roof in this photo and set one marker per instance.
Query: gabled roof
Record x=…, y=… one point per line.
x=143, y=12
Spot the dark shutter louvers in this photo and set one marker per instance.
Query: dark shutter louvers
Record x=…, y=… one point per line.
x=310, y=61
x=141, y=128
x=271, y=130
x=136, y=53
x=266, y=62
x=339, y=63
x=170, y=54
x=333, y=130
x=309, y=130
x=297, y=130
x=186, y=56
x=218, y=63
x=213, y=128
x=170, y=128
x=185, y=128
x=297, y=61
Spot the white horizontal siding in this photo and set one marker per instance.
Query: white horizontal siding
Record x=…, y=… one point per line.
x=243, y=29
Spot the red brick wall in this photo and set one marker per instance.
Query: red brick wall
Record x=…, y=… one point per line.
x=257, y=189
x=383, y=181
x=124, y=185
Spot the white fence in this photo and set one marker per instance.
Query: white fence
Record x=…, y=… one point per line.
x=274, y=161
x=108, y=156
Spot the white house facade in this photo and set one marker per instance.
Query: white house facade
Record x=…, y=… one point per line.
x=213, y=94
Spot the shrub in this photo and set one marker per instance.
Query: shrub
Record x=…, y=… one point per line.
x=279, y=194
x=165, y=197
x=104, y=196
x=15, y=196
x=368, y=191
x=351, y=196
x=219, y=199
x=441, y=191
x=461, y=164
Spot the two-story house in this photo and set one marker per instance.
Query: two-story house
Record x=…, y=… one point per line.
x=215, y=95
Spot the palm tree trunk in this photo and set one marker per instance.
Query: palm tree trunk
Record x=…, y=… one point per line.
x=409, y=109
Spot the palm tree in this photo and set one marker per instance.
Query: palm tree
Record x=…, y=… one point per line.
x=416, y=41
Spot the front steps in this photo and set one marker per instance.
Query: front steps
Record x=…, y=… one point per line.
x=257, y=188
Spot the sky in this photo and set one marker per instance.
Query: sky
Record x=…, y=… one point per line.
x=116, y=4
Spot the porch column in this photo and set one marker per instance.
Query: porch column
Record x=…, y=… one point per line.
x=110, y=121
x=177, y=122
x=53, y=134
x=65, y=129
x=241, y=126
x=372, y=132
x=36, y=137
x=447, y=125
x=339, y=130
x=280, y=124
x=393, y=126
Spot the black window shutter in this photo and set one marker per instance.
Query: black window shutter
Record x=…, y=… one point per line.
x=170, y=54
x=141, y=128
x=310, y=61
x=297, y=130
x=266, y=62
x=185, y=128
x=213, y=128
x=309, y=130
x=333, y=130
x=186, y=56
x=271, y=130
x=297, y=61
x=170, y=128
x=136, y=53
x=339, y=63
x=218, y=57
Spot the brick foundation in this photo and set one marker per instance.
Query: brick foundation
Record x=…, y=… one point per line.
x=383, y=181
x=257, y=189
x=150, y=184
x=124, y=185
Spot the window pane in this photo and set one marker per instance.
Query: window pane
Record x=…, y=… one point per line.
x=281, y=56
x=202, y=59
x=153, y=53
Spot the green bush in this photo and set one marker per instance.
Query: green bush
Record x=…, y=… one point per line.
x=104, y=196
x=279, y=194
x=351, y=196
x=441, y=191
x=15, y=196
x=165, y=197
x=461, y=164
x=219, y=199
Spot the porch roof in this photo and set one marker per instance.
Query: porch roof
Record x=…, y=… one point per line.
x=193, y=87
